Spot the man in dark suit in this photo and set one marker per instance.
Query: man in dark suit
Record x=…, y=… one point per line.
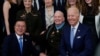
x=37, y=4
x=60, y=4
x=18, y=44
x=76, y=38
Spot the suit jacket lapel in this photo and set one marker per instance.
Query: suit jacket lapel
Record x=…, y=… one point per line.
x=77, y=34
x=24, y=43
x=68, y=34
x=16, y=43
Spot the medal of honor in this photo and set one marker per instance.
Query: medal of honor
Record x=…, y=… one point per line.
x=57, y=31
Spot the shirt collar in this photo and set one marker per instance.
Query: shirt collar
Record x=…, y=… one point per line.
x=76, y=26
x=18, y=37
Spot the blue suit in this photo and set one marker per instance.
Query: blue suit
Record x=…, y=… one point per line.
x=11, y=47
x=82, y=43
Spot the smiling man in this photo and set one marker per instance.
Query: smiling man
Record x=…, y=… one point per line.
x=53, y=34
x=18, y=44
x=76, y=38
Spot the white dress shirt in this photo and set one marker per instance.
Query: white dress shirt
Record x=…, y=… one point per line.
x=76, y=27
x=18, y=37
x=37, y=3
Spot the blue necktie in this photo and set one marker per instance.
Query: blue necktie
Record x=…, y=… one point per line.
x=21, y=43
x=72, y=37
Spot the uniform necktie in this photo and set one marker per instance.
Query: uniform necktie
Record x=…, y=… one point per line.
x=21, y=43
x=72, y=36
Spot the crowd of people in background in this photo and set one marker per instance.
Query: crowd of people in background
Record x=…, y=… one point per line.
x=47, y=26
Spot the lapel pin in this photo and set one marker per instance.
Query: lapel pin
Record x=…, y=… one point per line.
x=25, y=39
x=78, y=30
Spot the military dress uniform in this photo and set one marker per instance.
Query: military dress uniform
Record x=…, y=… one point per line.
x=53, y=37
x=33, y=23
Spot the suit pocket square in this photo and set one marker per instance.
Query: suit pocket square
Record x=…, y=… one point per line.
x=78, y=37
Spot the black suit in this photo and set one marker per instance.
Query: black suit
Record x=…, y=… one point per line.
x=11, y=46
x=60, y=5
x=40, y=3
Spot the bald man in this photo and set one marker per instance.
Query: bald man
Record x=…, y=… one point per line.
x=76, y=38
x=53, y=34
